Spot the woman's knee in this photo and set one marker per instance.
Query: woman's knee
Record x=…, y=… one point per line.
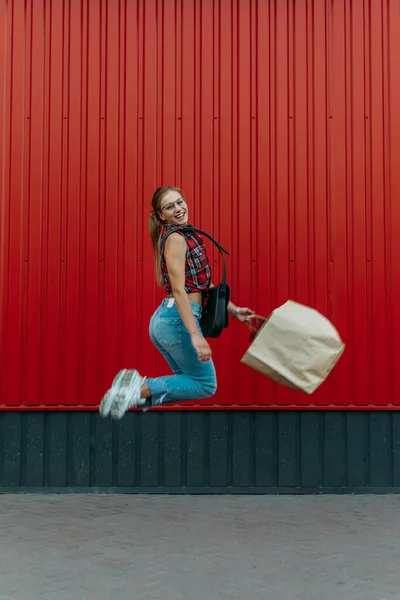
x=209, y=388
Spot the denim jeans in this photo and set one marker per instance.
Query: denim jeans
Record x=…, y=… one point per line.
x=192, y=379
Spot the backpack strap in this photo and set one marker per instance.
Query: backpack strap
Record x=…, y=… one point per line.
x=189, y=229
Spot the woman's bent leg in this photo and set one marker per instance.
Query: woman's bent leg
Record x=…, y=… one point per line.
x=193, y=379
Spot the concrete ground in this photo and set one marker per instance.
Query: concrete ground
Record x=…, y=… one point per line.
x=103, y=547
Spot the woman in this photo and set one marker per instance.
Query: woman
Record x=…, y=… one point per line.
x=183, y=269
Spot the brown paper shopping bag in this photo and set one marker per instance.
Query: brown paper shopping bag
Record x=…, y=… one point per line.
x=295, y=346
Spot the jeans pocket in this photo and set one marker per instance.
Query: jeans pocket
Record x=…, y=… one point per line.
x=168, y=330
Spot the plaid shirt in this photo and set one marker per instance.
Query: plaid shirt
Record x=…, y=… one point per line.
x=197, y=269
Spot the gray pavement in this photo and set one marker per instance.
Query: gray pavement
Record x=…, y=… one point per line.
x=86, y=547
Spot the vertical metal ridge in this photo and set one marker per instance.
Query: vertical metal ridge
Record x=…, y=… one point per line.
x=206, y=448
x=83, y=188
x=63, y=205
x=368, y=200
x=253, y=445
x=369, y=452
x=73, y=222
x=378, y=230
x=393, y=23
x=22, y=453
x=329, y=151
x=2, y=446
x=229, y=444
x=350, y=187
x=348, y=208
x=310, y=135
x=178, y=94
x=46, y=449
x=217, y=118
x=214, y=123
x=139, y=159
x=25, y=192
x=160, y=93
x=37, y=212
x=161, y=448
x=13, y=164
x=92, y=244
x=395, y=449
x=273, y=140
x=254, y=64
x=4, y=13
x=387, y=211
x=103, y=180
x=54, y=188
x=198, y=175
x=391, y=452
x=184, y=447
x=121, y=174
x=45, y=174
x=143, y=115
x=291, y=118
x=298, y=450
x=69, y=450
x=93, y=458
x=322, y=448
x=345, y=420
x=115, y=449
x=181, y=97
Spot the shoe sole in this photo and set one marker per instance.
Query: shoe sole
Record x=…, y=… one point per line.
x=121, y=402
x=109, y=397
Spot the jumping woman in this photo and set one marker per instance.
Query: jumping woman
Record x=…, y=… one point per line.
x=183, y=269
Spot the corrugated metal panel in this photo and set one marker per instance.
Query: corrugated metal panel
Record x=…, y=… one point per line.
x=279, y=120
x=202, y=452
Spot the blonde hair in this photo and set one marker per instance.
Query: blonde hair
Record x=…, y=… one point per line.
x=156, y=226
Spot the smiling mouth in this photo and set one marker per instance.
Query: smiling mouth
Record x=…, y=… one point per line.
x=180, y=216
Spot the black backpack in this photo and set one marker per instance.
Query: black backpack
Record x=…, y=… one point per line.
x=215, y=317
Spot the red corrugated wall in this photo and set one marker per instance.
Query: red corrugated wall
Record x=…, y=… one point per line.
x=281, y=122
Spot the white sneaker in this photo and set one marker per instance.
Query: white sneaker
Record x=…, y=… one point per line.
x=128, y=394
x=111, y=394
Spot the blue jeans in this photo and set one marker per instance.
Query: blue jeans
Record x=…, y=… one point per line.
x=192, y=379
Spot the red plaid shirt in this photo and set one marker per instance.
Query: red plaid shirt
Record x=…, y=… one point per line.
x=197, y=269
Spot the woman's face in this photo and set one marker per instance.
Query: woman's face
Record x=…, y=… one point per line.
x=173, y=209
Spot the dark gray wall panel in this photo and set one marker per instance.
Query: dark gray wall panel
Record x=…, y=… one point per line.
x=201, y=452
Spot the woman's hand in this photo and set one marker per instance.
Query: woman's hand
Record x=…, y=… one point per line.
x=243, y=314
x=201, y=346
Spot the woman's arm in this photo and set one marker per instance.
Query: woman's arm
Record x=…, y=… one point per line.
x=175, y=257
x=242, y=314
